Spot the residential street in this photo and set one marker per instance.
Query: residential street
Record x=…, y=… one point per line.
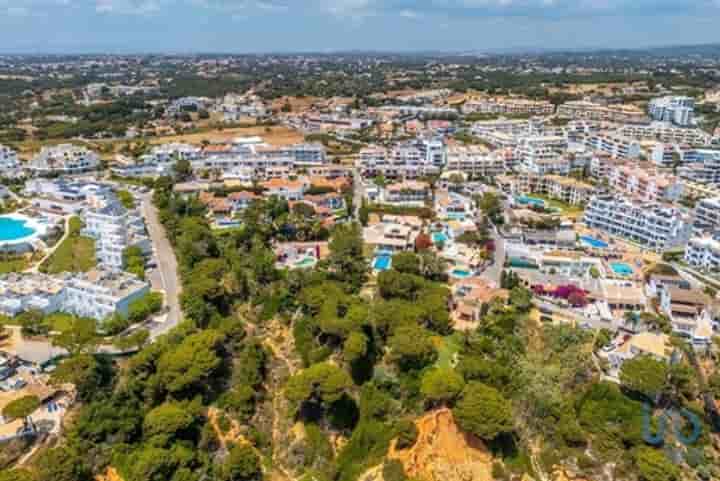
x=167, y=267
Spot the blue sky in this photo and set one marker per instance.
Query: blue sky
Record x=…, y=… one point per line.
x=56, y=26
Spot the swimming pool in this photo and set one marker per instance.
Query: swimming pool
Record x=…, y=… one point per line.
x=456, y=215
x=460, y=273
x=382, y=263
x=14, y=228
x=593, y=242
x=439, y=237
x=306, y=262
x=525, y=200
x=621, y=268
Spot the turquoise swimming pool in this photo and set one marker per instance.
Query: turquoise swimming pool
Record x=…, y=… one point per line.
x=439, y=237
x=526, y=200
x=306, y=262
x=382, y=263
x=621, y=268
x=593, y=242
x=460, y=273
x=12, y=229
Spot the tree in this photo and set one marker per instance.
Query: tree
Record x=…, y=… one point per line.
x=355, y=346
x=411, y=347
x=21, y=408
x=423, y=242
x=324, y=383
x=406, y=263
x=81, y=370
x=346, y=261
x=136, y=340
x=17, y=474
x=182, y=169
x=62, y=464
x=189, y=367
x=242, y=464
x=645, y=375
x=442, y=385
x=653, y=465
x=80, y=337
x=483, y=411
x=33, y=323
x=170, y=420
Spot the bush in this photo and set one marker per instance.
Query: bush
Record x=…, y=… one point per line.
x=393, y=470
x=141, y=309
x=407, y=434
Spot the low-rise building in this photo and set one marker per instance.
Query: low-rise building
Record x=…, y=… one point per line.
x=508, y=105
x=585, y=110
x=614, y=144
x=653, y=225
x=64, y=159
x=704, y=252
x=476, y=161
x=657, y=346
x=707, y=215
x=648, y=186
x=678, y=110
x=409, y=192
x=664, y=132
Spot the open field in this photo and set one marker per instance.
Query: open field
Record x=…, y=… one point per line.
x=276, y=135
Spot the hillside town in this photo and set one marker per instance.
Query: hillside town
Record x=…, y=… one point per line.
x=436, y=282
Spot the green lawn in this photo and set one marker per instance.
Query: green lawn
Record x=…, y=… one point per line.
x=564, y=207
x=59, y=321
x=447, y=348
x=16, y=264
x=75, y=254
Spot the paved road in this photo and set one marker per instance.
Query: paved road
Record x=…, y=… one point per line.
x=167, y=266
x=358, y=192
x=494, y=270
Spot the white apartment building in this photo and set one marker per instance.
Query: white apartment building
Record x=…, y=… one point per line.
x=64, y=159
x=100, y=294
x=505, y=126
x=566, y=189
x=707, y=214
x=701, y=166
x=543, y=155
x=585, y=110
x=676, y=109
x=616, y=145
x=114, y=229
x=476, y=161
x=665, y=132
x=409, y=193
x=645, y=185
x=650, y=224
x=704, y=252
x=169, y=153
x=508, y=105
x=402, y=161
x=8, y=159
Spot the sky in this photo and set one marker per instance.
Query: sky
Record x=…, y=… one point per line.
x=250, y=26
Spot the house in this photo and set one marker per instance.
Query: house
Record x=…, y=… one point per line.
x=409, y=193
x=469, y=297
x=650, y=344
x=390, y=237
x=450, y=205
x=286, y=189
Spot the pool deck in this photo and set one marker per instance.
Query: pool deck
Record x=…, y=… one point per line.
x=40, y=230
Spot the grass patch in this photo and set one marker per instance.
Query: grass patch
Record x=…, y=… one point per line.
x=59, y=321
x=16, y=264
x=447, y=348
x=564, y=207
x=126, y=199
x=75, y=254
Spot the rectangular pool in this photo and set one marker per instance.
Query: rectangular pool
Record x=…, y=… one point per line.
x=593, y=242
x=439, y=237
x=621, y=269
x=382, y=263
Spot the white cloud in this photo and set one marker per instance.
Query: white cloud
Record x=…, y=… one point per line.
x=128, y=7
